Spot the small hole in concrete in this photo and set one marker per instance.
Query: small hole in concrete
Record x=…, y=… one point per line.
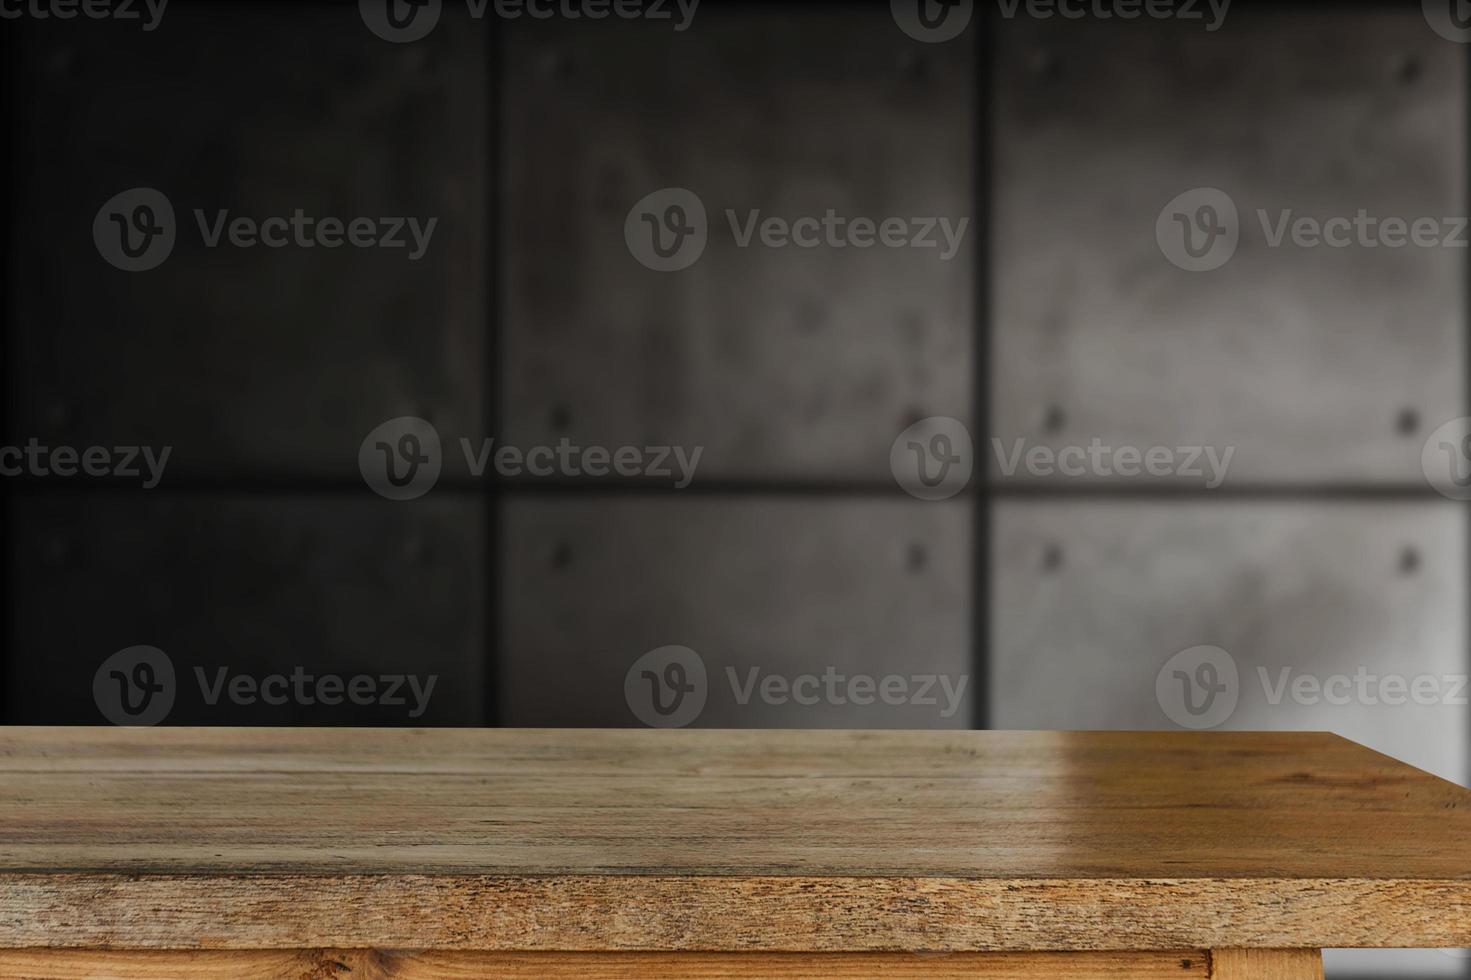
x=809, y=316
x=1044, y=66
x=917, y=558
x=414, y=549
x=57, y=551
x=1409, y=560
x=1053, y=420
x=58, y=414
x=913, y=66
x=557, y=65
x=1407, y=423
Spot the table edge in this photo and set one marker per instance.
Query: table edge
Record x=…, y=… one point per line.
x=725, y=913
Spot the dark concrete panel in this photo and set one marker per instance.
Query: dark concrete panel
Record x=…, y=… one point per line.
x=1316, y=364
x=250, y=360
x=256, y=585
x=1092, y=599
x=784, y=587
x=781, y=362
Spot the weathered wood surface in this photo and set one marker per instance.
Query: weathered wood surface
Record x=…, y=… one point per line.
x=723, y=841
x=387, y=965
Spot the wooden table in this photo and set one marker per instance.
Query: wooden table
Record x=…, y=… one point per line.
x=228, y=853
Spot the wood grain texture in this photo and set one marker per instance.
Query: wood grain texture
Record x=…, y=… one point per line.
x=1266, y=964
x=717, y=913
x=722, y=841
x=386, y=965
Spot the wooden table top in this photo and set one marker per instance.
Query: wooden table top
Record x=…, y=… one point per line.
x=705, y=840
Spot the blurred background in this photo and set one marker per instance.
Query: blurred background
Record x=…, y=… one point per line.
x=871, y=534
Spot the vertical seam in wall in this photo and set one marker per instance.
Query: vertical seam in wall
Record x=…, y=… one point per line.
x=1465, y=970
x=9, y=123
x=494, y=253
x=983, y=124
